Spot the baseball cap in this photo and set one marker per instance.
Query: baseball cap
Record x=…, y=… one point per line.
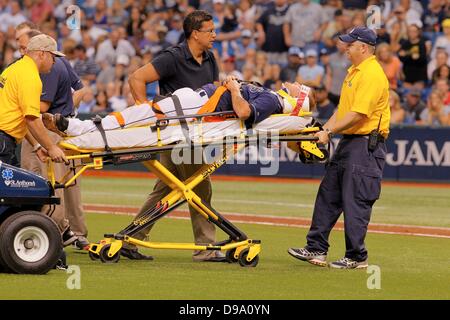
x=80, y=47
x=296, y=51
x=415, y=22
x=177, y=17
x=311, y=53
x=446, y=23
x=43, y=42
x=362, y=34
x=414, y=92
x=246, y=33
x=324, y=52
x=218, y=1
x=229, y=59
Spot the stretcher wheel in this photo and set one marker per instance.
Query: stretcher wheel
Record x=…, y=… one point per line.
x=230, y=256
x=104, y=255
x=325, y=153
x=309, y=158
x=93, y=256
x=243, y=259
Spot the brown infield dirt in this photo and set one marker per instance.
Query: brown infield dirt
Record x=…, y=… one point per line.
x=147, y=175
x=282, y=221
x=424, y=231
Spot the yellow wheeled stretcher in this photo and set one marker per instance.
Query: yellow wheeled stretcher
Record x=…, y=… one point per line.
x=238, y=247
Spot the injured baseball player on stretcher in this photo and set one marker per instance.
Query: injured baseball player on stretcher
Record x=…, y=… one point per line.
x=254, y=105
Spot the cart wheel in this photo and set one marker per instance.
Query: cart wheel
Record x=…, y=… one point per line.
x=93, y=256
x=30, y=242
x=230, y=256
x=104, y=255
x=243, y=259
x=3, y=267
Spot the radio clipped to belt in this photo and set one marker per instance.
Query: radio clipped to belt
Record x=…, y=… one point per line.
x=375, y=137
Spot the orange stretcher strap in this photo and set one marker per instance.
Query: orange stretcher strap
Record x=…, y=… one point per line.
x=211, y=104
x=157, y=110
x=119, y=118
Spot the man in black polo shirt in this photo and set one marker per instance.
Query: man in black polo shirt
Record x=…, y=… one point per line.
x=57, y=97
x=189, y=64
x=270, y=32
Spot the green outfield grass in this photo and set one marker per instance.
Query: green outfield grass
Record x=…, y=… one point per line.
x=411, y=267
x=397, y=205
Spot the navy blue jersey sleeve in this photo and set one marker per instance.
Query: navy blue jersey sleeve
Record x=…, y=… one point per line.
x=164, y=64
x=49, y=85
x=75, y=81
x=262, y=106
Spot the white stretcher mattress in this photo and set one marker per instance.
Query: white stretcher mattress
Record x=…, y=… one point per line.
x=137, y=137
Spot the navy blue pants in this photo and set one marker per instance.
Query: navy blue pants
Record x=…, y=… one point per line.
x=8, y=149
x=352, y=184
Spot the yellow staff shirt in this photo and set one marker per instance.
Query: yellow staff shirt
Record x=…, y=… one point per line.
x=366, y=90
x=20, y=96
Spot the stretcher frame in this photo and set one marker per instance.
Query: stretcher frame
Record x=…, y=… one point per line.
x=238, y=248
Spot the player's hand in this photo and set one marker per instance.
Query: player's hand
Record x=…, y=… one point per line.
x=57, y=155
x=232, y=84
x=293, y=88
x=323, y=136
x=230, y=78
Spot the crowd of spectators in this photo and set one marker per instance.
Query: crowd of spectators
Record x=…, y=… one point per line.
x=268, y=41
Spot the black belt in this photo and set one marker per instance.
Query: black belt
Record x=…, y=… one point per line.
x=366, y=136
x=7, y=135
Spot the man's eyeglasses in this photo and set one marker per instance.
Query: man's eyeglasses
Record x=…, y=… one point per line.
x=211, y=31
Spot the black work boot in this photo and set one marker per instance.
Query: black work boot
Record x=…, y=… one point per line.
x=134, y=254
x=68, y=237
